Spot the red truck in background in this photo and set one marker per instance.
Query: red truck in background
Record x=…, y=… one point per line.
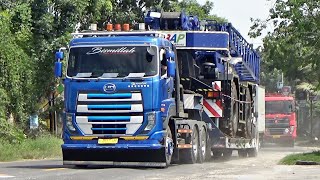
x=281, y=123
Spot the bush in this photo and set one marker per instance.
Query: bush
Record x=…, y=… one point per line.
x=45, y=146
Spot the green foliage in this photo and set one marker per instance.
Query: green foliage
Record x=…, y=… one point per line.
x=192, y=7
x=293, y=158
x=42, y=147
x=292, y=46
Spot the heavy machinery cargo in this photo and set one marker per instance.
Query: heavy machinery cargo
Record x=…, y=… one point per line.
x=176, y=90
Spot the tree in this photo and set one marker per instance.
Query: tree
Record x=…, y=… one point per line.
x=192, y=7
x=293, y=45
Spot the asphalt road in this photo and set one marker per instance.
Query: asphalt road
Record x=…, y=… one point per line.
x=262, y=167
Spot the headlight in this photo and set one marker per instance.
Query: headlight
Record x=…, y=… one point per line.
x=286, y=131
x=151, y=118
x=69, y=123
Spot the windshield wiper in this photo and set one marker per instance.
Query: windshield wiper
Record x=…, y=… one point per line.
x=109, y=75
x=134, y=76
x=83, y=75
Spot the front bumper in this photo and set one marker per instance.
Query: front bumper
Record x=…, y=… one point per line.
x=278, y=138
x=128, y=153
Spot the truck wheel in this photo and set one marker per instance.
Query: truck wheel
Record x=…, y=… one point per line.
x=203, y=145
x=216, y=154
x=234, y=113
x=227, y=153
x=248, y=114
x=242, y=153
x=168, y=146
x=253, y=152
x=191, y=155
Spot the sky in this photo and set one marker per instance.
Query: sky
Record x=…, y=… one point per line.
x=239, y=12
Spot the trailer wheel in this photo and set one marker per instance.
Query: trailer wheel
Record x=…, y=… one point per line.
x=203, y=145
x=227, y=153
x=242, y=153
x=216, y=154
x=253, y=152
x=191, y=155
x=234, y=113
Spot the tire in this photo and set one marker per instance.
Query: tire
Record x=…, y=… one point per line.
x=168, y=147
x=252, y=152
x=242, y=153
x=234, y=112
x=203, y=145
x=190, y=156
x=227, y=153
x=217, y=155
x=81, y=166
x=248, y=114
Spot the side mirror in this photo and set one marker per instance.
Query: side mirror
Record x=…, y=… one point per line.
x=59, y=55
x=171, y=72
x=171, y=69
x=58, y=69
x=169, y=55
x=58, y=64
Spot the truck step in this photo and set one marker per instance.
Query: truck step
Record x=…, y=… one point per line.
x=184, y=146
x=184, y=130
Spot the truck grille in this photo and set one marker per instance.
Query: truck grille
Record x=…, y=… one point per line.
x=276, y=131
x=109, y=114
x=277, y=123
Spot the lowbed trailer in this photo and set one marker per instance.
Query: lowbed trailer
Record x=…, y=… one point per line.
x=176, y=93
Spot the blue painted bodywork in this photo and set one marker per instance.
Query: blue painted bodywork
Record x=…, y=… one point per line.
x=154, y=91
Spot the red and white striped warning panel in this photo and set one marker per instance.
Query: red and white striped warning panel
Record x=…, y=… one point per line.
x=216, y=85
x=213, y=108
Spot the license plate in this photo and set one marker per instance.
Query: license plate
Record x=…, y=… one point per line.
x=108, y=141
x=276, y=136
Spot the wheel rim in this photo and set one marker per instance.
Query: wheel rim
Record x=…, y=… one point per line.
x=195, y=142
x=203, y=143
x=169, y=146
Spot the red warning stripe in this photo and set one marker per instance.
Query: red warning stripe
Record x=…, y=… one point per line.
x=207, y=105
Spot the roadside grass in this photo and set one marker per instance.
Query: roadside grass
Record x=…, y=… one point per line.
x=39, y=148
x=293, y=158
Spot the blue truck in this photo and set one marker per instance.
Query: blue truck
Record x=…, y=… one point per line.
x=174, y=90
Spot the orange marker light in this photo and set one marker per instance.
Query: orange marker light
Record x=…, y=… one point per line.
x=109, y=27
x=126, y=27
x=210, y=94
x=213, y=94
x=117, y=27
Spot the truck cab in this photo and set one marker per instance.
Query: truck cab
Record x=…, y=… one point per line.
x=281, y=125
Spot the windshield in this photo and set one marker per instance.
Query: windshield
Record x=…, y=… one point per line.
x=278, y=107
x=110, y=62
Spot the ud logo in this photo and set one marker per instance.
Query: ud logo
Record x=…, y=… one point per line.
x=109, y=88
